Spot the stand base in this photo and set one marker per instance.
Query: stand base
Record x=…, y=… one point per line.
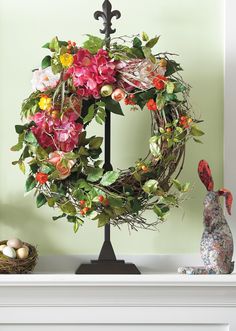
x=108, y=267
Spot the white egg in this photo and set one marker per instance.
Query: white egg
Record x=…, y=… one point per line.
x=22, y=253
x=9, y=251
x=1, y=247
x=14, y=243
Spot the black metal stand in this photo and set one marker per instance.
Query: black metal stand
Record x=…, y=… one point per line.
x=107, y=262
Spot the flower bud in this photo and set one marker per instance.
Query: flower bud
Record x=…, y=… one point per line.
x=118, y=95
x=106, y=90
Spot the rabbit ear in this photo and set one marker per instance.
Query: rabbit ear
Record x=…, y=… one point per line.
x=204, y=173
x=228, y=198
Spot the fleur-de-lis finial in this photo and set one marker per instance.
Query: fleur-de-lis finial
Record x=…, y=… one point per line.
x=107, y=14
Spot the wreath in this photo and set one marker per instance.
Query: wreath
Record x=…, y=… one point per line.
x=76, y=85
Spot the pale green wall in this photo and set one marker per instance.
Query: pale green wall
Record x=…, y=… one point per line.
x=192, y=28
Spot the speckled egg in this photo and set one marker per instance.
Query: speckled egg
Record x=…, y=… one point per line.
x=1, y=247
x=9, y=252
x=22, y=253
x=14, y=243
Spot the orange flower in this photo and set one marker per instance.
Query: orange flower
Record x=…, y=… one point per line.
x=41, y=177
x=159, y=82
x=151, y=104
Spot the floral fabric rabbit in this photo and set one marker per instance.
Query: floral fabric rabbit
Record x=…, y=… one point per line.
x=217, y=241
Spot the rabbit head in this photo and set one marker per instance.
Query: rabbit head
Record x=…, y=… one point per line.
x=212, y=197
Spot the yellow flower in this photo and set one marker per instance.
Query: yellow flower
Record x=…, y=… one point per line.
x=45, y=103
x=66, y=59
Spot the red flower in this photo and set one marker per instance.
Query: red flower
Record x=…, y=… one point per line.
x=130, y=100
x=159, y=82
x=41, y=177
x=151, y=104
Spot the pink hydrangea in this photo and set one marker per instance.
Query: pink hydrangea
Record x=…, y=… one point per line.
x=57, y=134
x=44, y=79
x=90, y=72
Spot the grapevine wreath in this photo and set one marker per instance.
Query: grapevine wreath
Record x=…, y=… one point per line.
x=76, y=85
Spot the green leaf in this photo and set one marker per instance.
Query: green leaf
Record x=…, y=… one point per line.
x=137, y=43
x=56, y=65
x=22, y=166
x=94, y=174
x=89, y=115
x=160, y=101
x=46, y=45
x=100, y=115
x=19, y=128
x=51, y=202
x=68, y=208
x=150, y=186
x=170, y=87
x=40, y=200
x=155, y=146
x=198, y=141
x=109, y=178
x=93, y=44
x=76, y=226
x=147, y=52
x=46, y=62
x=196, y=132
x=30, y=138
x=158, y=211
x=179, y=87
x=19, y=145
x=113, y=106
x=177, y=184
x=54, y=45
x=185, y=187
x=102, y=219
x=95, y=142
x=152, y=42
x=145, y=36
x=172, y=67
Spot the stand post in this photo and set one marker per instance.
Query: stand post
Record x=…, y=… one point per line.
x=107, y=262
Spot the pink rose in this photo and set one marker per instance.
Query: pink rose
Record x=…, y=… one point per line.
x=44, y=79
x=118, y=95
x=63, y=166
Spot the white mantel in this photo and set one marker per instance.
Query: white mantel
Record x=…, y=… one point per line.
x=160, y=301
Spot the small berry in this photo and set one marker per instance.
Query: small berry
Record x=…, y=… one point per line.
x=85, y=210
x=168, y=130
x=144, y=168
x=106, y=202
x=100, y=198
x=82, y=202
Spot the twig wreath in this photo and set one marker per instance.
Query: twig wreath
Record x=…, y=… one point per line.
x=77, y=85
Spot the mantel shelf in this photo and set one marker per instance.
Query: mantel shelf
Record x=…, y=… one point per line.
x=71, y=280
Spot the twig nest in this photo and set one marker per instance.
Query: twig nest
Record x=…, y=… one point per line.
x=14, y=243
x=9, y=252
x=20, y=260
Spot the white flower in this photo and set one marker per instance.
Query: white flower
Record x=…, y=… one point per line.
x=44, y=79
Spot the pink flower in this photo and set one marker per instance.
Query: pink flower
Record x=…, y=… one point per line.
x=44, y=79
x=90, y=72
x=63, y=167
x=118, y=95
x=57, y=134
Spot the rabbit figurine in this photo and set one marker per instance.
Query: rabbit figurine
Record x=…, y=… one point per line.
x=217, y=241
